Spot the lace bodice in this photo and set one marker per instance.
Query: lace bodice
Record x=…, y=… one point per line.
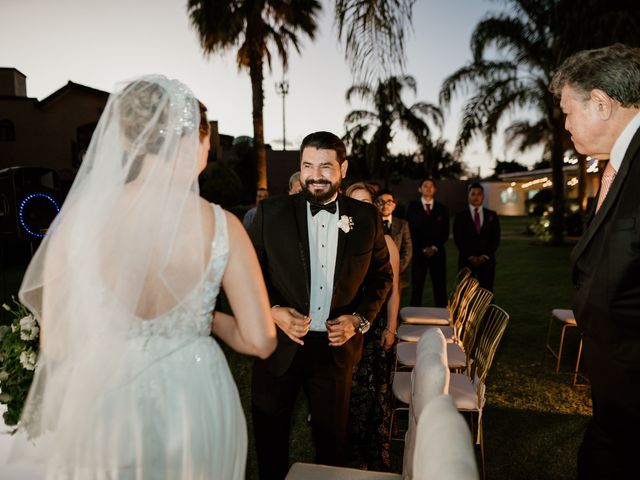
x=180, y=321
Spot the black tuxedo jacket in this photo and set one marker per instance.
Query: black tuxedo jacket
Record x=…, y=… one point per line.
x=362, y=278
x=606, y=274
x=402, y=238
x=470, y=242
x=428, y=230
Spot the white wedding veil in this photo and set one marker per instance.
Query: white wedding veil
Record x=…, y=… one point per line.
x=128, y=247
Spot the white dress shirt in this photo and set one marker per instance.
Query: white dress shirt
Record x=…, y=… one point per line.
x=623, y=141
x=323, y=247
x=425, y=203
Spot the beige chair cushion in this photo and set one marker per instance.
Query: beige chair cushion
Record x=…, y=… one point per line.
x=564, y=315
x=456, y=358
x=463, y=392
x=310, y=471
x=401, y=386
x=406, y=353
x=425, y=315
x=412, y=333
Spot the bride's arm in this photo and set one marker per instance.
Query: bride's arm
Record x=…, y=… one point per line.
x=251, y=330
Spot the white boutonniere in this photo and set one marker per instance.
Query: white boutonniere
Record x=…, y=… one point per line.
x=345, y=223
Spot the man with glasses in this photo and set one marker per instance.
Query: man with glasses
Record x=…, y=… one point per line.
x=398, y=229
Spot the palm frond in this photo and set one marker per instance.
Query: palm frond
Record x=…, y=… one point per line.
x=360, y=117
x=430, y=111
x=373, y=32
x=473, y=74
x=362, y=91
x=523, y=135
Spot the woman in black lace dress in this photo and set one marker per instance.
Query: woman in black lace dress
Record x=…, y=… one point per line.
x=370, y=410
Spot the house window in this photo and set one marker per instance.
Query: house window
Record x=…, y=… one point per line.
x=7, y=131
x=509, y=196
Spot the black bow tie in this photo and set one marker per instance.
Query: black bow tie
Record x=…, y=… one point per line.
x=329, y=207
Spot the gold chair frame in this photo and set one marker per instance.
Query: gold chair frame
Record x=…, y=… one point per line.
x=490, y=332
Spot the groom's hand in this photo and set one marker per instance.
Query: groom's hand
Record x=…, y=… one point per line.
x=341, y=329
x=291, y=322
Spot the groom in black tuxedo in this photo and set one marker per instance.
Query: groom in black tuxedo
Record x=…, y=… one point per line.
x=326, y=266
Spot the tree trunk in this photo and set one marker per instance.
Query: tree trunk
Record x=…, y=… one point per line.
x=557, y=175
x=256, y=74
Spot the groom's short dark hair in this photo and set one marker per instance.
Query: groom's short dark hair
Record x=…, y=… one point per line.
x=325, y=141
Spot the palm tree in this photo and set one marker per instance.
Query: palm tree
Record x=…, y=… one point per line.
x=534, y=38
x=389, y=112
x=253, y=26
x=373, y=32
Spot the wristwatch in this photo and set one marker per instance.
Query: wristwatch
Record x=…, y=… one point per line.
x=363, y=326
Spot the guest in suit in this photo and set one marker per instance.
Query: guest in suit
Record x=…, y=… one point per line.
x=429, y=226
x=600, y=96
x=398, y=229
x=326, y=266
x=476, y=232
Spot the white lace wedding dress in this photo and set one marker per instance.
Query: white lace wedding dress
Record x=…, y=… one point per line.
x=179, y=417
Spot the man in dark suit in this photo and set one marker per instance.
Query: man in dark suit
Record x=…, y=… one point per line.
x=326, y=266
x=476, y=232
x=600, y=96
x=397, y=228
x=429, y=226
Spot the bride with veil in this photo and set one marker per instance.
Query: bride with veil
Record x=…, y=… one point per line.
x=129, y=382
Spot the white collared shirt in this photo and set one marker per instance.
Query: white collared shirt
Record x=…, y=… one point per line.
x=473, y=213
x=622, y=143
x=425, y=203
x=323, y=248
x=388, y=219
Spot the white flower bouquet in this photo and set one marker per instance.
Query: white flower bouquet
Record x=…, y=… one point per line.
x=19, y=342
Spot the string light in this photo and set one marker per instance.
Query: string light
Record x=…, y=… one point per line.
x=535, y=182
x=24, y=203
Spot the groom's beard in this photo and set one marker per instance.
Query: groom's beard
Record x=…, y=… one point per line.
x=321, y=196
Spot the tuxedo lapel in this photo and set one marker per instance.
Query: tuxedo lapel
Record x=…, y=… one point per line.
x=470, y=223
x=485, y=221
x=300, y=213
x=609, y=201
x=343, y=209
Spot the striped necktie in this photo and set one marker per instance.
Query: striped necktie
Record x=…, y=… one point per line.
x=607, y=179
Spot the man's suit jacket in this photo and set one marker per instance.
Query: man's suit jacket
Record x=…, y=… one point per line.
x=402, y=238
x=470, y=242
x=606, y=275
x=362, y=277
x=428, y=230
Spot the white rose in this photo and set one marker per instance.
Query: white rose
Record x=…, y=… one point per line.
x=3, y=375
x=28, y=322
x=28, y=328
x=28, y=359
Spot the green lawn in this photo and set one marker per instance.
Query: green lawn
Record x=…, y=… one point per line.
x=534, y=419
